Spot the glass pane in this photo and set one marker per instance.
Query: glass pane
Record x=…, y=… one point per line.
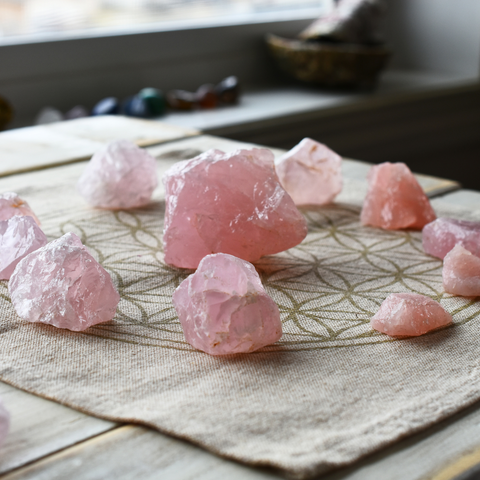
x=60, y=17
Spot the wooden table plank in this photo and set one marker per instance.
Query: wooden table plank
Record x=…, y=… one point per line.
x=40, y=427
x=34, y=148
x=136, y=452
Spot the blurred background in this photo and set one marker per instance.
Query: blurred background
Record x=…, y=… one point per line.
x=425, y=109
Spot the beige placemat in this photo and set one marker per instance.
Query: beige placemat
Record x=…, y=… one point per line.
x=330, y=391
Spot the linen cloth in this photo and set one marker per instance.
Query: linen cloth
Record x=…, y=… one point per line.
x=329, y=392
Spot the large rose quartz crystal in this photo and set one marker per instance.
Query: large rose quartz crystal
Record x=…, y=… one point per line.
x=63, y=285
x=121, y=175
x=395, y=200
x=440, y=236
x=409, y=315
x=11, y=205
x=461, y=272
x=229, y=203
x=19, y=236
x=223, y=307
x=4, y=423
x=311, y=173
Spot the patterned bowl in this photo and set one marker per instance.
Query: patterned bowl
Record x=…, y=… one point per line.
x=329, y=64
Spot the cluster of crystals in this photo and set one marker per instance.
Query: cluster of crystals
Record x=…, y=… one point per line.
x=350, y=21
x=311, y=173
x=4, y=423
x=395, y=200
x=409, y=314
x=121, y=175
x=61, y=284
x=224, y=309
x=228, y=203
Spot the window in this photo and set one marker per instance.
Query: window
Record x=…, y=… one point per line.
x=55, y=19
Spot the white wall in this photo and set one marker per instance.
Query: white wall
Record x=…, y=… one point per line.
x=436, y=35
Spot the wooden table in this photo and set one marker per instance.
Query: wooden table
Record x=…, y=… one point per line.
x=51, y=441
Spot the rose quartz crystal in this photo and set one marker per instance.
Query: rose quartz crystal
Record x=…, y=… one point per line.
x=311, y=173
x=409, y=315
x=4, y=423
x=63, y=285
x=121, y=175
x=19, y=236
x=440, y=236
x=11, y=205
x=461, y=272
x=395, y=200
x=223, y=307
x=229, y=203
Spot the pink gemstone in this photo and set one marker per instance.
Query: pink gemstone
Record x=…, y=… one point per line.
x=11, y=205
x=395, y=200
x=311, y=173
x=409, y=315
x=63, y=285
x=230, y=203
x=224, y=309
x=461, y=272
x=4, y=423
x=19, y=236
x=120, y=175
x=440, y=236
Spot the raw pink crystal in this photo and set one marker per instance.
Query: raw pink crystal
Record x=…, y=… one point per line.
x=19, y=236
x=311, y=173
x=4, y=423
x=224, y=309
x=121, y=175
x=440, y=236
x=409, y=315
x=461, y=272
x=63, y=285
x=395, y=200
x=230, y=203
x=11, y=205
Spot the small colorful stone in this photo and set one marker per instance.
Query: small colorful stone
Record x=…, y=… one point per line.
x=135, y=106
x=181, y=100
x=48, y=115
x=11, y=204
x=224, y=309
x=311, y=173
x=107, y=106
x=6, y=113
x=409, y=315
x=19, y=236
x=206, y=96
x=228, y=90
x=120, y=175
x=62, y=285
x=461, y=272
x=228, y=203
x=155, y=101
x=79, y=111
x=441, y=235
x=4, y=423
x=395, y=200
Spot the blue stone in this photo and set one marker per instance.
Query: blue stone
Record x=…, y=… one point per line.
x=107, y=106
x=135, y=107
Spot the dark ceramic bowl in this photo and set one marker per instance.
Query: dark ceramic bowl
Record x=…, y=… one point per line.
x=329, y=64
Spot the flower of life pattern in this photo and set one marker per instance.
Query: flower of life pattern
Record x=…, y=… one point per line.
x=327, y=288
